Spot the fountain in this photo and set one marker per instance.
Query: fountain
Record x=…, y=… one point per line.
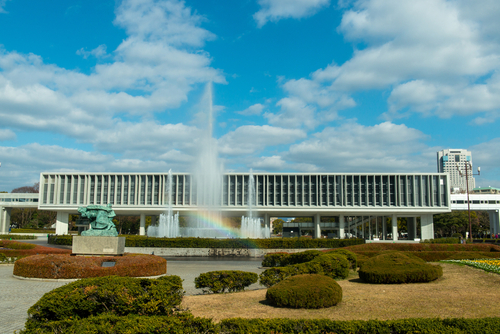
x=250, y=226
x=207, y=182
x=168, y=226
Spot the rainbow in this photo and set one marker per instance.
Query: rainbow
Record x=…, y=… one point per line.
x=213, y=220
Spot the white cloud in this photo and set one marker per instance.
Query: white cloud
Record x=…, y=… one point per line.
x=356, y=148
x=153, y=69
x=272, y=163
x=275, y=10
x=6, y=134
x=2, y=5
x=433, y=54
x=250, y=139
x=255, y=109
x=99, y=52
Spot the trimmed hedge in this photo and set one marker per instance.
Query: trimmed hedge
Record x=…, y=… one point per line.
x=397, y=268
x=66, y=266
x=118, y=296
x=17, y=237
x=309, y=291
x=33, y=230
x=332, y=265
x=225, y=281
x=422, y=247
x=449, y=240
x=132, y=324
x=272, y=243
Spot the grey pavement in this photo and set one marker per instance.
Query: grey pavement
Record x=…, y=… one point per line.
x=17, y=296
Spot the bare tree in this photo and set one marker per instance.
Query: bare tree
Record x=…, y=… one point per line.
x=34, y=189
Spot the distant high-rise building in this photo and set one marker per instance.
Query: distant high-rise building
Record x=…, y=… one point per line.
x=447, y=162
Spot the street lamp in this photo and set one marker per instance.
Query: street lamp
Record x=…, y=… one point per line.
x=467, y=167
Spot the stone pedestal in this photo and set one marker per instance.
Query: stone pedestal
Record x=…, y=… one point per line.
x=90, y=245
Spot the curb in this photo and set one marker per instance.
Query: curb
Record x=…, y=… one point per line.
x=71, y=279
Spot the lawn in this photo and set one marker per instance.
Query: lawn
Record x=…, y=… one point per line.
x=463, y=291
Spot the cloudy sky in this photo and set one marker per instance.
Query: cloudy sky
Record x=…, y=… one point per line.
x=298, y=85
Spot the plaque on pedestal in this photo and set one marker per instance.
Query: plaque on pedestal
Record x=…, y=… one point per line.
x=90, y=245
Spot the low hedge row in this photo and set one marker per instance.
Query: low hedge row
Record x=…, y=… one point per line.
x=133, y=324
x=272, y=243
x=17, y=237
x=305, y=291
x=33, y=230
x=118, y=296
x=421, y=247
x=15, y=249
x=437, y=256
x=331, y=265
x=449, y=240
x=66, y=266
x=225, y=281
x=398, y=268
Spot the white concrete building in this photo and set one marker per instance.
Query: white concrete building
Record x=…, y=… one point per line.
x=448, y=161
x=359, y=195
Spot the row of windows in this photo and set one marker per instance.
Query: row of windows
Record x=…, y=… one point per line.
x=238, y=190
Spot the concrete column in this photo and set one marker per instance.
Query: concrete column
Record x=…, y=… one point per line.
x=412, y=228
x=394, y=227
x=376, y=227
x=4, y=219
x=363, y=228
x=494, y=221
x=142, y=227
x=62, y=223
x=317, y=227
x=427, y=227
x=384, y=228
x=341, y=227
x=369, y=228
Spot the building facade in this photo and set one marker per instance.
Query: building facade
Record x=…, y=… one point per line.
x=365, y=196
x=453, y=162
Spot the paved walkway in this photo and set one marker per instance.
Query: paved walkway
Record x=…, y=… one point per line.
x=17, y=296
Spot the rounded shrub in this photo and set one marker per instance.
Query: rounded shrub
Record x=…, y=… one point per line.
x=305, y=291
x=225, y=281
x=334, y=265
x=115, y=295
x=350, y=256
x=275, y=259
x=397, y=268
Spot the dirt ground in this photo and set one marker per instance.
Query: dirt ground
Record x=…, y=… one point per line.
x=461, y=292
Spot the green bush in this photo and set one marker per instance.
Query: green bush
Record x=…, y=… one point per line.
x=17, y=237
x=305, y=291
x=449, y=240
x=332, y=265
x=119, y=296
x=130, y=324
x=225, y=281
x=275, y=259
x=457, y=235
x=3, y=258
x=350, y=256
x=397, y=268
x=271, y=243
x=467, y=256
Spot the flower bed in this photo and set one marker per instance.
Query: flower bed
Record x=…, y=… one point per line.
x=490, y=265
x=66, y=266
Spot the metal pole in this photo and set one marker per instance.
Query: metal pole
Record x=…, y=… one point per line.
x=468, y=201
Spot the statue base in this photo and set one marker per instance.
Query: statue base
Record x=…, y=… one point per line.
x=93, y=245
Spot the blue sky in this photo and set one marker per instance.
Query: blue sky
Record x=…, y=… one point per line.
x=298, y=85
